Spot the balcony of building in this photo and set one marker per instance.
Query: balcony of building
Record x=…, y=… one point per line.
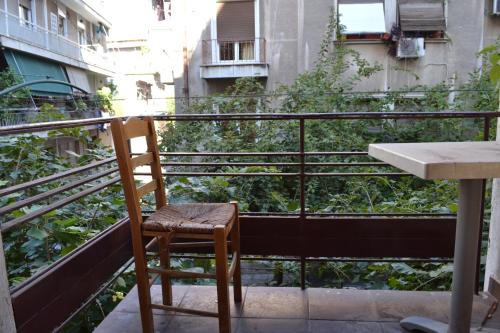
x=287, y=310
x=59, y=292
x=19, y=34
x=234, y=58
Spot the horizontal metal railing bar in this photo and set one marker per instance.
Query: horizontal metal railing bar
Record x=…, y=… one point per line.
x=297, y=214
x=326, y=164
x=314, y=259
x=44, y=180
x=53, y=125
x=346, y=164
x=264, y=214
x=258, y=153
x=55, y=191
x=357, y=174
x=208, y=164
x=223, y=174
x=329, y=115
x=277, y=174
x=40, y=127
x=4, y=227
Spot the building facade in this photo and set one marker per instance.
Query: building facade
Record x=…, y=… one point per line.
x=417, y=42
x=142, y=54
x=55, y=39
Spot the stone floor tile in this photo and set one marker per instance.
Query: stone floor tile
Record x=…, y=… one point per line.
x=393, y=327
x=259, y=325
x=131, y=302
x=126, y=322
x=327, y=326
x=264, y=302
x=394, y=305
x=196, y=324
x=341, y=304
x=205, y=298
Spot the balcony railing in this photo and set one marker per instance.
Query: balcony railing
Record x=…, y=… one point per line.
x=50, y=297
x=36, y=35
x=227, y=52
x=29, y=116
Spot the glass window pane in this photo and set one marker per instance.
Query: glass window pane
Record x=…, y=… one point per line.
x=362, y=18
x=226, y=50
x=247, y=51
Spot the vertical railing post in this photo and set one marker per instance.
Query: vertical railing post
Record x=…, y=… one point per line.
x=302, y=201
x=486, y=137
x=7, y=323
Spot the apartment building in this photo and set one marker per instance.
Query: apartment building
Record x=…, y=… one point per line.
x=143, y=57
x=55, y=39
x=416, y=41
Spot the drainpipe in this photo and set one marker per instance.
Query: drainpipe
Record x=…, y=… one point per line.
x=493, y=253
x=186, y=74
x=185, y=89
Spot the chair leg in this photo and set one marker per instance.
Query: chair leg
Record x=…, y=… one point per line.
x=222, y=279
x=235, y=246
x=143, y=290
x=166, y=283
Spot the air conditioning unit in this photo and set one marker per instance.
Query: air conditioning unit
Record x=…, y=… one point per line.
x=496, y=7
x=411, y=48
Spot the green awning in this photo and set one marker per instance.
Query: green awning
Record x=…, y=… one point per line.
x=34, y=68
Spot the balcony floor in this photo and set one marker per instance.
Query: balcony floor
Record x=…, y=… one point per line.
x=291, y=310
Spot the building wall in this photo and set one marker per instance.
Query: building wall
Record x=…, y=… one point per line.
x=40, y=15
x=51, y=8
x=492, y=25
x=142, y=54
x=72, y=33
x=12, y=6
x=293, y=30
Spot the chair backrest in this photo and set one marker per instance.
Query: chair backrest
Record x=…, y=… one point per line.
x=122, y=133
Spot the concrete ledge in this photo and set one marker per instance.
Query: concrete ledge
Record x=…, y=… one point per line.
x=234, y=70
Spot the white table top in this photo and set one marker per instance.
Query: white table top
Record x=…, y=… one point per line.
x=442, y=160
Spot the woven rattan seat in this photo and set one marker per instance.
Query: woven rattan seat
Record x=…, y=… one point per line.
x=186, y=218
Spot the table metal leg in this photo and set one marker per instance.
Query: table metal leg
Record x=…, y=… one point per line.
x=464, y=263
x=465, y=256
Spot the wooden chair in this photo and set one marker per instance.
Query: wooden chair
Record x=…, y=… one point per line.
x=210, y=222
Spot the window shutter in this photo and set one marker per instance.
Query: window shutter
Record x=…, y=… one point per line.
x=235, y=20
x=422, y=15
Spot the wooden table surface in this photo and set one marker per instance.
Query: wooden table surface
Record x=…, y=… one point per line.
x=442, y=160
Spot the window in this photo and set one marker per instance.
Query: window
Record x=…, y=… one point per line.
x=82, y=33
x=237, y=51
x=167, y=6
x=143, y=90
x=370, y=19
x=421, y=15
x=362, y=17
x=236, y=30
x=53, y=23
x=25, y=14
x=62, y=28
x=158, y=6
x=82, y=37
